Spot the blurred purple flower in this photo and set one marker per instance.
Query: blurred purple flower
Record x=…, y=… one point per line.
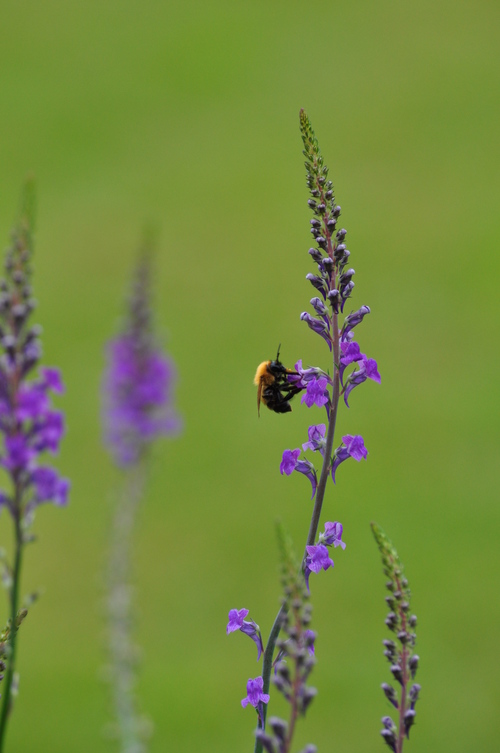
x=139, y=381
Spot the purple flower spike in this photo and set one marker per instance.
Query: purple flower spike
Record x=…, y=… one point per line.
x=28, y=424
x=332, y=535
x=317, y=559
x=307, y=468
x=354, y=448
x=289, y=461
x=236, y=618
x=255, y=696
x=316, y=393
x=317, y=439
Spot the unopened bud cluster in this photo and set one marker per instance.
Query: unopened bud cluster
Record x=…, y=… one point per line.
x=399, y=651
x=333, y=280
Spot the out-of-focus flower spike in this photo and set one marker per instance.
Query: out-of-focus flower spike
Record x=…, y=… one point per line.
x=138, y=385
x=403, y=661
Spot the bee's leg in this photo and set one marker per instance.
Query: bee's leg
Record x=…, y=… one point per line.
x=292, y=390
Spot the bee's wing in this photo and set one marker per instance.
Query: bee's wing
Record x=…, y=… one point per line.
x=259, y=396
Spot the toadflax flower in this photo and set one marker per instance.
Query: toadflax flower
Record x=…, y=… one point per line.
x=139, y=381
x=290, y=462
x=255, y=695
x=317, y=440
x=332, y=535
x=354, y=447
x=317, y=559
x=249, y=627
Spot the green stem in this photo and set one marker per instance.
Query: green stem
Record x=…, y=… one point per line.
x=121, y=648
x=14, y=600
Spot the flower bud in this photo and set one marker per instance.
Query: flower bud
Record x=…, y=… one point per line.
x=409, y=720
x=316, y=255
x=278, y=726
x=397, y=673
x=413, y=664
x=390, y=694
x=414, y=693
x=327, y=264
x=266, y=740
x=333, y=297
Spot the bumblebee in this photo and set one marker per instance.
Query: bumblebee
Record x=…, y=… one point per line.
x=273, y=388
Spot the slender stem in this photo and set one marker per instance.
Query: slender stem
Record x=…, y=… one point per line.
x=121, y=649
x=327, y=459
x=14, y=599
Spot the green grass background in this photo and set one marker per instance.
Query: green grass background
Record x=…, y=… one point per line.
x=186, y=114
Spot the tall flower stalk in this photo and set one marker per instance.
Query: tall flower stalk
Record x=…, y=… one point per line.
x=323, y=388
x=29, y=427
x=138, y=408
x=399, y=653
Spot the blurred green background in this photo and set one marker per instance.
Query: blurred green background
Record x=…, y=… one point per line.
x=186, y=114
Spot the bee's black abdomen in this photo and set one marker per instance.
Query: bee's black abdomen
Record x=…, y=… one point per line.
x=282, y=408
